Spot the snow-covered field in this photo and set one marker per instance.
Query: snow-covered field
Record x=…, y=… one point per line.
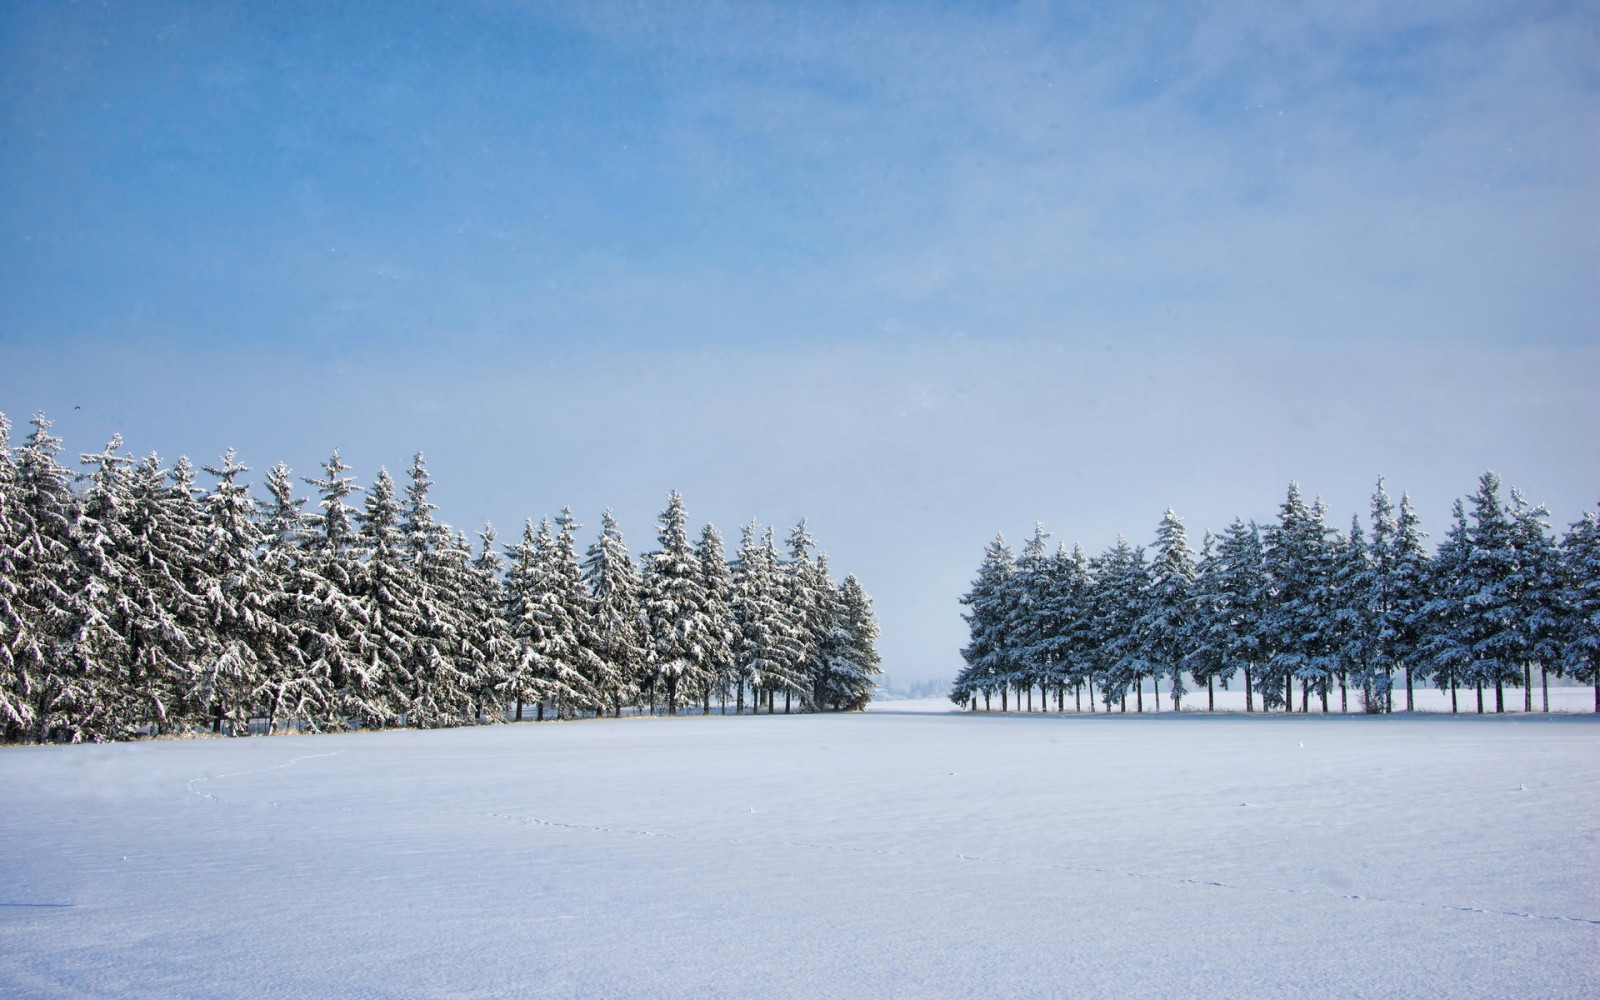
x=887, y=854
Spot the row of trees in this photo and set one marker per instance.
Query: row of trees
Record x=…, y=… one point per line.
x=1296, y=602
x=132, y=602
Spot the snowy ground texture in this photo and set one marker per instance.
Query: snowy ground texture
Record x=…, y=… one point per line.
x=895, y=853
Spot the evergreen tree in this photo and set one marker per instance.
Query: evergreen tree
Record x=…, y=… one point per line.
x=388, y=587
x=989, y=653
x=672, y=607
x=1536, y=590
x=852, y=650
x=1580, y=602
x=489, y=648
x=807, y=592
x=551, y=659
x=1299, y=556
x=721, y=631
x=1398, y=587
x=440, y=664
x=768, y=651
x=1121, y=594
x=1026, y=630
x=46, y=587
x=1354, y=630
x=1446, y=649
x=1059, y=642
x=1204, y=656
x=1491, y=600
x=617, y=633
x=333, y=613
x=94, y=664
x=1163, y=622
x=296, y=686
x=238, y=599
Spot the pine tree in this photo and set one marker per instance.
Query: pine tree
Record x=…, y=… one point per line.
x=1163, y=622
x=1026, y=629
x=296, y=686
x=989, y=653
x=238, y=599
x=672, y=607
x=721, y=632
x=1121, y=593
x=334, y=615
x=550, y=658
x=1299, y=620
x=1204, y=656
x=440, y=664
x=15, y=711
x=767, y=651
x=1536, y=590
x=571, y=618
x=1354, y=630
x=46, y=576
x=1445, y=650
x=807, y=592
x=490, y=648
x=1491, y=601
x=388, y=588
x=1059, y=638
x=1399, y=587
x=1580, y=602
x=617, y=633
x=852, y=650
x=98, y=700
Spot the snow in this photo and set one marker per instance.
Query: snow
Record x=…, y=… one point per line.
x=895, y=853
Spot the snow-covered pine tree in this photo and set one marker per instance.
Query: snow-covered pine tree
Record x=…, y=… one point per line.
x=1121, y=592
x=379, y=693
x=768, y=651
x=807, y=591
x=1445, y=650
x=112, y=599
x=720, y=668
x=295, y=687
x=988, y=653
x=672, y=607
x=1536, y=586
x=1069, y=625
x=1203, y=655
x=1492, y=601
x=245, y=636
x=852, y=650
x=1354, y=630
x=1299, y=559
x=1580, y=602
x=333, y=611
x=1399, y=587
x=1028, y=625
x=1245, y=592
x=616, y=627
x=1163, y=622
x=47, y=599
x=490, y=648
x=571, y=620
x=15, y=714
x=440, y=666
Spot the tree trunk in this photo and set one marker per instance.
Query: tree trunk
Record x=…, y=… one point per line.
x=1499, y=696
x=1480, y=697
x=1527, y=686
x=1156, y=680
x=786, y=696
x=1453, y=710
x=1030, y=697
x=1249, y=702
x=519, y=709
x=1344, y=697
x=1544, y=687
x=1004, y=695
x=1305, y=696
x=1211, y=695
x=1090, y=682
x=1322, y=692
x=1138, y=693
x=1409, y=706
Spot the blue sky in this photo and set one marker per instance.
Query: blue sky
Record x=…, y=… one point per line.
x=920, y=271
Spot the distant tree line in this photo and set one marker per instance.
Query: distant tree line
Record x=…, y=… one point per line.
x=134, y=602
x=1294, y=603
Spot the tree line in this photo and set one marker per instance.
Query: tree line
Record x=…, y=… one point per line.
x=1297, y=602
x=134, y=602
